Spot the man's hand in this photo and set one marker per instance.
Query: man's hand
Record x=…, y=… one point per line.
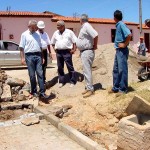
x=121, y=45
x=72, y=51
x=23, y=62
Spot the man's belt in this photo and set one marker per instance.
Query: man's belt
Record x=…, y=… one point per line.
x=86, y=50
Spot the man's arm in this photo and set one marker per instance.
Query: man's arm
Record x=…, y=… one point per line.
x=22, y=56
x=73, y=49
x=123, y=45
x=49, y=50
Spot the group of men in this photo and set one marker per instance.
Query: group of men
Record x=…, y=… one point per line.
x=35, y=42
x=34, y=45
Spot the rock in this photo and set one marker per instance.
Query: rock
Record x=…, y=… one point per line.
x=13, y=82
x=20, y=97
x=26, y=87
x=6, y=95
x=66, y=114
x=30, y=121
x=24, y=92
x=1, y=91
x=138, y=106
x=66, y=108
x=56, y=110
x=17, y=89
x=113, y=121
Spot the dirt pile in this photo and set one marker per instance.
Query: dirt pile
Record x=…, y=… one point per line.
x=103, y=65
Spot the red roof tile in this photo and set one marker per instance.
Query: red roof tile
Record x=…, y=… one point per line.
x=26, y=13
x=92, y=20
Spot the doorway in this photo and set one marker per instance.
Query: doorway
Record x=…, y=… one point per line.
x=147, y=41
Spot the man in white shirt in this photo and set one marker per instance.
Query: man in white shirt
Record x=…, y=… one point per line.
x=30, y=52
x=63, y=42
x=87, y=44
x=45, y=46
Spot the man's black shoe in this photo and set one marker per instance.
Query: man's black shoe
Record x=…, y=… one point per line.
x=44, y=96
x=35, y=95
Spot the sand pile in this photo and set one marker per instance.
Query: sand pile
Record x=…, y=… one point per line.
x=103, y=65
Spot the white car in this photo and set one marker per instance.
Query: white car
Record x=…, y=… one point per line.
x=9, y=53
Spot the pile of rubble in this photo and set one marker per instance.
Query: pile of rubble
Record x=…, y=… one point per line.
x=13, y=89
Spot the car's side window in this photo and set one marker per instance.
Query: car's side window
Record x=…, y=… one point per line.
x=10, y=46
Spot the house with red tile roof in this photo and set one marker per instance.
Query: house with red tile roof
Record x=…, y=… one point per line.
x=13, y=23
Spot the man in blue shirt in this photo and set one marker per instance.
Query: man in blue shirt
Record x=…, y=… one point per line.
x=120, y=69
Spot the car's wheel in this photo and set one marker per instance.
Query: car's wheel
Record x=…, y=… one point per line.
x=142, y=75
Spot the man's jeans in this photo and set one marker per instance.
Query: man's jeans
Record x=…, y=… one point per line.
x=87, y=58
x=65, y=56
x=34, y=63
x=120, y=70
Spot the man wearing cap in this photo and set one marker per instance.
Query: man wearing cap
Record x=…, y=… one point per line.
x=45, y=46
x=64, y=44
x=87, y=44
x=142, y=47
x=30, y=52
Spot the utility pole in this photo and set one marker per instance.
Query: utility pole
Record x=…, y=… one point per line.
x=140, y=16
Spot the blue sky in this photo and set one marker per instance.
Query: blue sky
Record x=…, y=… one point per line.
x=94, y=8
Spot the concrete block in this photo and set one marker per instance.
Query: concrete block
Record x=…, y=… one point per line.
x=41, y=116
x=79, y=137
x=41, y=110
x=6, y=96
x=134, y=132
x=53, y=120
x=138, y=105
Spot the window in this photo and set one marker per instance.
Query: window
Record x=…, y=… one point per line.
x=113, y=33
x=10, y=46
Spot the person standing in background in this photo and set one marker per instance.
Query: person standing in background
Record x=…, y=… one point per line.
x=142, y=47
x=45, y=41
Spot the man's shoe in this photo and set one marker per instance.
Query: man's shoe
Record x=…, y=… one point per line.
x=84, y=92
x=60, y=85
x=111, y=91
x=33, y=95
x=89, y=93
x=44, y=96
x=71, y=85
x=120, y=94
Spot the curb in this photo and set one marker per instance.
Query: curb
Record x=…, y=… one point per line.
x=72, y=133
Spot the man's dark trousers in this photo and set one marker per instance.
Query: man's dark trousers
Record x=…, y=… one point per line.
x=44, y=64
x=65, y=56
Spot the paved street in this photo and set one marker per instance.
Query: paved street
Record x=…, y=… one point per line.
x=42, y=136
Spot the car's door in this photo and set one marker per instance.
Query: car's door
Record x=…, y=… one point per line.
x=11, y=53
x=1, y=55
